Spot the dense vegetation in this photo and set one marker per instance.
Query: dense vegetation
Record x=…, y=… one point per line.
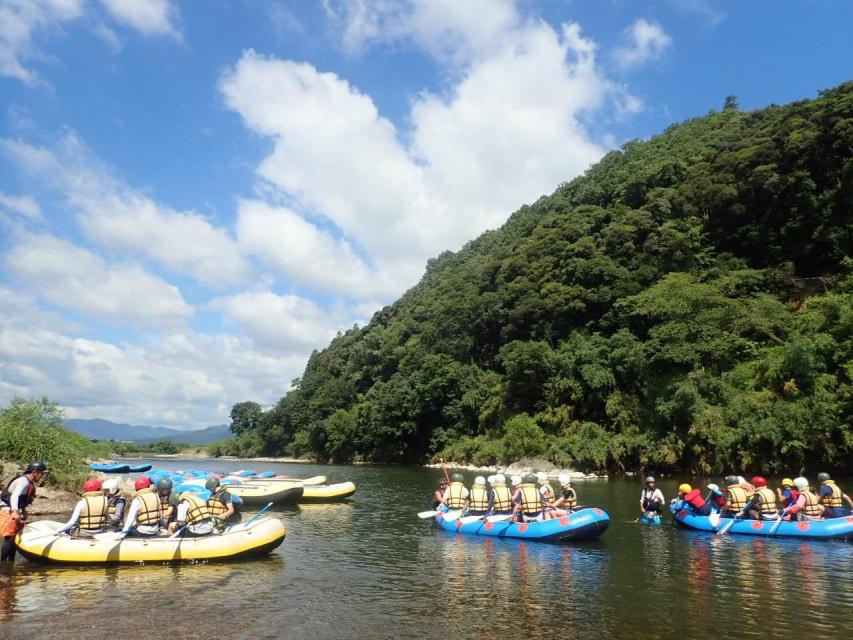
x=32, y=430
x=159, y=446
x=688, y=303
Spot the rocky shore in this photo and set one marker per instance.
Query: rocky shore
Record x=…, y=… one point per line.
x=520, y=468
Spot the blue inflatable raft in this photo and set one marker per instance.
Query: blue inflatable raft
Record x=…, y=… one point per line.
x=584, y=524
x=832, y=529
x=110, y=468
x=650, y=518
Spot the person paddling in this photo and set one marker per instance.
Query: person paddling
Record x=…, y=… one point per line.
x=143, y=515
x=832, y=497
x=527, y=501
x=762, y=503
x=456, y=495
x=787, y=494
x=221, y=504
x=715, y=497
x=479, y=498
x=438, y=494
x=807, y=506
x=568, y=499
x=736, y=498
x=501, y=498
x=691, y=497
x=90, y=512
x=14, y=500
x=192, y=512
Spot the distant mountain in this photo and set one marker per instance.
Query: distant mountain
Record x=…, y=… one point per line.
x=99, y=429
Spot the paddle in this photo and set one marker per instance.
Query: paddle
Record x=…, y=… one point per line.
x=776, y=526
x=470, y=519
x=714, y=519
x=428, y=514
x=178, y=532
x=112, y=536
x=29, y=539
x=726, y=528
x=255, y=517
x=500, y=517
x=451, y=516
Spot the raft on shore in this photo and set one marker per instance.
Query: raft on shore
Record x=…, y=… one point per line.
x=584, y=524
x=238, y=541
x=831, y=529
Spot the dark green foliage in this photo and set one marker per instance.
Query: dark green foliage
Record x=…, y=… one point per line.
x=686, y=303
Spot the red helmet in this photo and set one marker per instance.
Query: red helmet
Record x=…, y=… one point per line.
x=92, y=485
x=758, y=481
x=141, y=483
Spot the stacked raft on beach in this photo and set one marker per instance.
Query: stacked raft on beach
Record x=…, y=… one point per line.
x=253, y=490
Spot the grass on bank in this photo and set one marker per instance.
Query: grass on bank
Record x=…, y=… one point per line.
x=33, y=430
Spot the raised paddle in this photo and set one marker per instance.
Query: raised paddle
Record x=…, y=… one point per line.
x=178, y=532
x=470, y=519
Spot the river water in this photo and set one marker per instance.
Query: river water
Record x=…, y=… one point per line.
x=369, y=568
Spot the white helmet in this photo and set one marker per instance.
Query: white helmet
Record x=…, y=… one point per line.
x=565, y=479
x=479, y=480
x=801, y=483
x=741, y=479
x=491, y=479
x=500, y=478
x=714, y=487
x=542, y=477
x=516, y=480
x=110, y=486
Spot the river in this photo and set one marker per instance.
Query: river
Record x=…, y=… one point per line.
x=369, y=568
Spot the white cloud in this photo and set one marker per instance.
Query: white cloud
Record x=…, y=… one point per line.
x=149, y=17
x=122, y=219
x=25, y=206
x=19, y=20
x=281, y=323
x=74, y=278
x=643, y=42
x=305, y=254
x=508, y=130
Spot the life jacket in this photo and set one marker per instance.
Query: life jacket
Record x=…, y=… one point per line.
x=94, y=514
x=835, y=499
x=531, y=501
x=112, y=503
x=570, y=498
x=648, y=498
x=790, y=496
x=812, y=506
x=165, y=507
x=501, y=498
x=198, y=511
x=737, y=498
x=215, y=505
x=24, y=500
x=766, y=500
x=479, y=498
x=149, y=507
x=549, y=491
x=694, y=499
x=456, y=497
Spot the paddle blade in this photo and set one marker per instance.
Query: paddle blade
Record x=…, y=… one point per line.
x=499, y=518
x=714, y=519
x=470, y=519
x=427, y=514
x=450, y=516
x=109, y=536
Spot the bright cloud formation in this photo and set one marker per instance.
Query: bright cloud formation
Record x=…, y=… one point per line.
x=348, y=206
x=643, y=41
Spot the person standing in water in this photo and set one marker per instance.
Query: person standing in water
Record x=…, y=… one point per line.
x=651, y=499
x=14, y=501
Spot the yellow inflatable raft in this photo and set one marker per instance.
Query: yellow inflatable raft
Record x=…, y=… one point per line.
x=264, y=492
x=39, y=542
x=327, y=492
x=305, y=482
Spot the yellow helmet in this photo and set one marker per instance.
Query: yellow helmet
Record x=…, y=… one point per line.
x=787, y=482
x=685, y=488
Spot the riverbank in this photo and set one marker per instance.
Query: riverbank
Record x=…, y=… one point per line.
x=520, y=468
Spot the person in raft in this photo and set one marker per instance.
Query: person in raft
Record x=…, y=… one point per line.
x=220, y=504
x=736, y=497
x=438, y=494
x=14, y=500
x=90, y=512
x=807, y=506
x=527, y=501
x=761, y=505
x=715, y=497
x=456, y=495
x=167, y=511
x=191, y=512
x=691, y=498
x=832, y=497
x=787, y=494
x=546, y=491
x=500, y=496
x=568, y=499
x=143, y=515
x=651, y=498
x=116, y=504
x=478, y=504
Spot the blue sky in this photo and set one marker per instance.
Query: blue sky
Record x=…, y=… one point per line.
x=194, y=195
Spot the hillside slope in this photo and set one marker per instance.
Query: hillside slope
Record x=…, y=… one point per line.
x=100, y=429
x=686, y=303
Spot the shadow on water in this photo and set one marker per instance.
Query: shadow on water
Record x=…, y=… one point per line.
x=369, y=568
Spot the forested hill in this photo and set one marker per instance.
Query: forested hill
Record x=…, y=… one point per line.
x=687, y=303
